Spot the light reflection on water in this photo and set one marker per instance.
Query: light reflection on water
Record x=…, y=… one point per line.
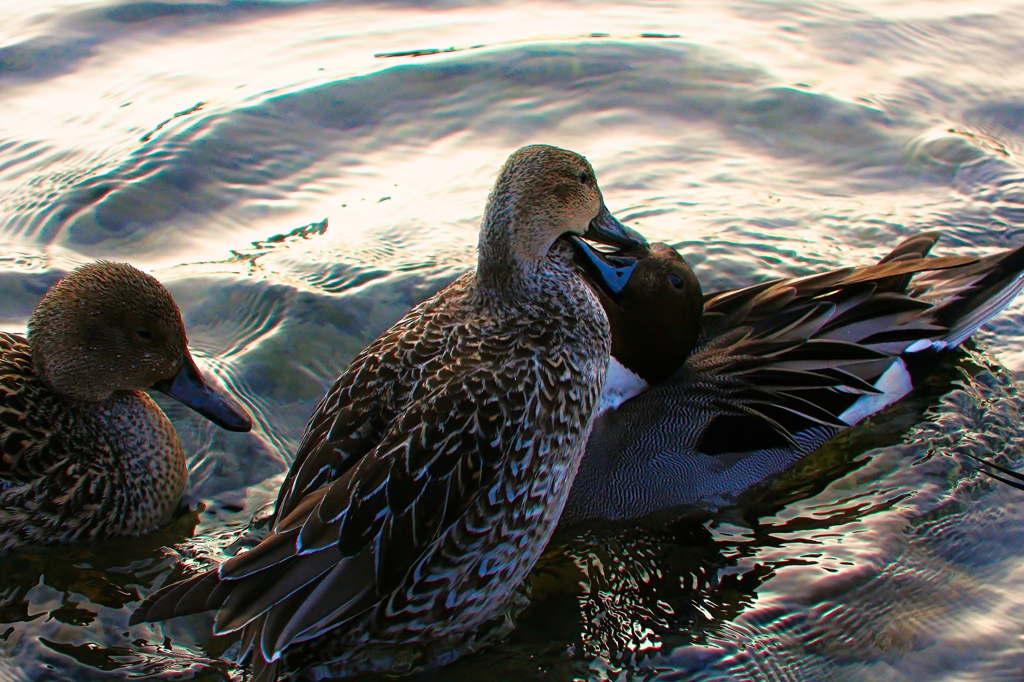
x=298, y=194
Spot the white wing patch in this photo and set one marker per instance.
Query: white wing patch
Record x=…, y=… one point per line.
x=893, y=384
x=620, y=385
x=924, y=344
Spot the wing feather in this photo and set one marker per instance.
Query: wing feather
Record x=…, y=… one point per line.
x=30, y=450
x=431, y=474
x=796, y=353
x=343, y=593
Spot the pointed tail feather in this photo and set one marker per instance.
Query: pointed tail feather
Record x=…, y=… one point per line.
x=1010, y=477
x=195, y=595
x=990, y=295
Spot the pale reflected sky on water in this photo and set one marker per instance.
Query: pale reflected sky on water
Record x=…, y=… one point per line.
x=209, y=141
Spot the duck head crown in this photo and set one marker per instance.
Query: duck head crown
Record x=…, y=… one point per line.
x=106, y=327
x=109, y=327
x=542, y=192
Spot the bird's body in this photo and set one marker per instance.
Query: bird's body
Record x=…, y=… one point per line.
x=65, y=475
x=84, y=452
x=434, y=471
x=776, y=370
x=509, y=396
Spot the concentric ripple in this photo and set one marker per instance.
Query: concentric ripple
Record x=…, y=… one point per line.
x=300, y=174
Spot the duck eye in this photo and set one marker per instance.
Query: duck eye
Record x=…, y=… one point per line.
x=585, y=177
x=144, y=334
x=675, y=280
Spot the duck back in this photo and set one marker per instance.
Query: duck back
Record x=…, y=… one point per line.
x=780, y=368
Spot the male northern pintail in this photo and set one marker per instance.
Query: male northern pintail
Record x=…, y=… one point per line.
x=85, y=453
x=435, y=469
x=746, y=382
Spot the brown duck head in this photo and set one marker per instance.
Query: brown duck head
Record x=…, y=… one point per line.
x=543, y=193
x=655, y=313
x=109, y=327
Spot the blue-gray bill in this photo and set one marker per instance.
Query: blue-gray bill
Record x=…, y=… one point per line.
x=189, y=387
x=606, y=229
x=611, y=272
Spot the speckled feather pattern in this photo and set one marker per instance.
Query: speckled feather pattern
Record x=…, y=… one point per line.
x=430, y=479
x=504, y=407
x=71, y=470
x=434, y=471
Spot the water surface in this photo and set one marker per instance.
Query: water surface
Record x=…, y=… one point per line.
x=300, y=174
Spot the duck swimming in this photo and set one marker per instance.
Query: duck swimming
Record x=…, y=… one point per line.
x=434, y=471
x=84, y=452
x=743, y=383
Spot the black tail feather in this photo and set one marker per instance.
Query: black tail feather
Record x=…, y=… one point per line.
x=1011, y=477
x=194, y=595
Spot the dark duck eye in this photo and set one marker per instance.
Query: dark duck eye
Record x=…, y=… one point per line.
x=585, y=177
x=675, y=280
x=144, y=334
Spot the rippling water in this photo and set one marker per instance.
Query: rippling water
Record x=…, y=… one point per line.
x=299, y=174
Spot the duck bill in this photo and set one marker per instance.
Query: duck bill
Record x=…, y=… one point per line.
x=190, y=388
x=606, y=229
x=610, y=272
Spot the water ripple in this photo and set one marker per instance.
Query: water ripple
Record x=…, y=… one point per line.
x=298, y=194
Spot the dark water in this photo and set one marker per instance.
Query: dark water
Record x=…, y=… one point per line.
x=301, y=173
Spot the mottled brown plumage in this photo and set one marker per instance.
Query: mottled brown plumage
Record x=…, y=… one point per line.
x=84, y=453
x=432, y=474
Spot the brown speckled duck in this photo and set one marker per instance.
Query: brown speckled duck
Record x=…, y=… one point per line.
x=84, y=452
x=434, y=471
x=735, y=386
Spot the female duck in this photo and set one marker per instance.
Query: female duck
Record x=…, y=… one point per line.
x=84, y=453
x=434, y=471
x=746, y=382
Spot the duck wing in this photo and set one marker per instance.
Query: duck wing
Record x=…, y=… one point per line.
x=356, y=412
x=30, y=450
x=348, y=545
x=804, y=352
x=341, y=547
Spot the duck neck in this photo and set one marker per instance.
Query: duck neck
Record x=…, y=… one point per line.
x=513, y=255
x=647, y=343
x=504, y=277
